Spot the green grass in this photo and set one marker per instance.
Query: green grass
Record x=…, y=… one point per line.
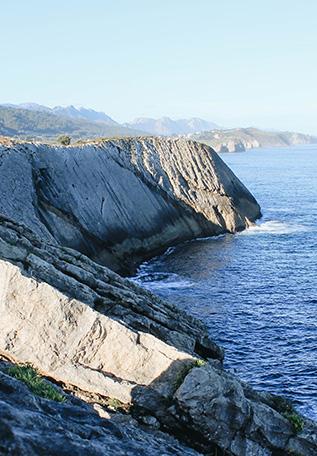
x=27, y=374
x=114, y=404
x=286, y=408
x=296, y=421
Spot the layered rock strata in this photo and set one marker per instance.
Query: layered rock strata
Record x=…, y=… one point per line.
x=87, y=328
x=121, y=201
x=100, y=335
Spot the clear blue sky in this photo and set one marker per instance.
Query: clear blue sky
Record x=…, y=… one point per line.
x=236, y=62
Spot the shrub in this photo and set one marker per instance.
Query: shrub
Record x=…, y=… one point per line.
x=64, y=140
x=296, y=421
x=28, y=375
x=286, y=408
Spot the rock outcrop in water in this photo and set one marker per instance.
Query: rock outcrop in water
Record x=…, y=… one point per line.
x=105, y=338
x=122, y=201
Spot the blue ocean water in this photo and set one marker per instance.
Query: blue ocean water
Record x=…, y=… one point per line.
x=257, y=290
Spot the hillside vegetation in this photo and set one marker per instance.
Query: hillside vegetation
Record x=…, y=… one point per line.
x=28, y=124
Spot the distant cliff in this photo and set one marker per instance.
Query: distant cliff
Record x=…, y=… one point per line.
x=241, y=139
x=122, y=201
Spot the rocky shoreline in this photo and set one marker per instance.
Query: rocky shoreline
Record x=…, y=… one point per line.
x=148, y=377
x=242, y=139
x=122, y=201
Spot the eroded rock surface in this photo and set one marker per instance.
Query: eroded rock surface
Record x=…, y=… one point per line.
x=219, y=407
x=87, y=327
x=122, y=201
x=103, y=336
x=30, y=425
x=104, y=291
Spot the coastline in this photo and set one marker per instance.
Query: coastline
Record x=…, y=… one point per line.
x=86, y=327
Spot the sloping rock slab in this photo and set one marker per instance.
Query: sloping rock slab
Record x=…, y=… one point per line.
x=79, y=278
x=121, y=201
x=75, y=344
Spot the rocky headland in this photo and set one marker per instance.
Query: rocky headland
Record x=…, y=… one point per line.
x=138, y=375
x=242, y=139
x=122, y=201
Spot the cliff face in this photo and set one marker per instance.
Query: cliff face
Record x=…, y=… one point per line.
x=241, y=139
x=103, y=337
x=122, y=201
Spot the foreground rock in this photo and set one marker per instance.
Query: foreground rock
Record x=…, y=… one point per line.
x=86, y=327
x=122, y=201
x=30, y=425
x=79, y=278
x=218, y=407
x=98, y=331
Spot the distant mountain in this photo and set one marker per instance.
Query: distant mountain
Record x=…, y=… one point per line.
x=240, y=139
x=168, y=127
x=28, y=106
x=35, y=123
x=164, y=126
x=84, y=113
x=67, y=111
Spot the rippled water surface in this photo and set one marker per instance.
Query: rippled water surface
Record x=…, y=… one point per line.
x=257, y=290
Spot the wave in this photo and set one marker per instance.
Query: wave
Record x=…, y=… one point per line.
x=161, y=280
x=274, y=227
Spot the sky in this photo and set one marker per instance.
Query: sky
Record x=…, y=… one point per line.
x=234, y=62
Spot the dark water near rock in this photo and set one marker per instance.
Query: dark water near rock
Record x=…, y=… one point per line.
x=257, y=290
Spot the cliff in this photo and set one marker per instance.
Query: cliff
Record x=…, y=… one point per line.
x=143, y=367
x=121, y=201
x=241, y=139
x=115, y=345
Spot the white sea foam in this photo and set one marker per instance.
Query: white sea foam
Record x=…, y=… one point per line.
x=208, y=238
x=274, y=227
x=158, y=280
x=161, y=285
x=169, y=251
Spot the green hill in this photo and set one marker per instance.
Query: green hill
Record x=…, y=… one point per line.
x=26, y=124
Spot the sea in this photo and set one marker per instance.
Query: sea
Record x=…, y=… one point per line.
x=257, y=290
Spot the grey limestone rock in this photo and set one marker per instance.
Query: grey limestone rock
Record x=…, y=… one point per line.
x=31, y=425
x=83, y=325
x=225, y=411
x=104, y=291
x=121, y=201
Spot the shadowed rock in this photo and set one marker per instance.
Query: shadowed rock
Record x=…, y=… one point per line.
x=85, y=326
x=220, y=408
x=104, y=291
x=30, y=425
x=122, y=201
